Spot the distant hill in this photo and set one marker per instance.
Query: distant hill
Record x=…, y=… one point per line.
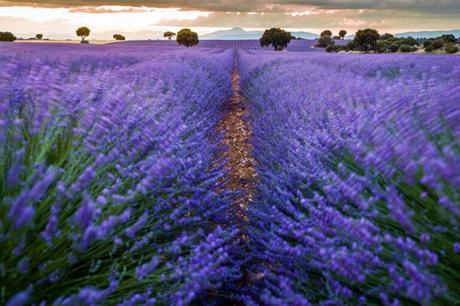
x=428, y=34
x=305, y=35
x=238, y=33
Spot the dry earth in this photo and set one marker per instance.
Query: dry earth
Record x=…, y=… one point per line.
x=241, y=165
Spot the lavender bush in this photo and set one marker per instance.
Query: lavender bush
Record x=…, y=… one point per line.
x=358, y=200
x=108, y=177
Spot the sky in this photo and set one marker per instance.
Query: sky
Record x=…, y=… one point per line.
x=58, y=19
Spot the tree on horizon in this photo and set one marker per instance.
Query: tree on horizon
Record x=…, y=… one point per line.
x=169, y=34
x=276, y=37
x=118, y=37
x=83, y=32
x=366, y=40
x=326, y=33
x=7, y=36
x=187, y=37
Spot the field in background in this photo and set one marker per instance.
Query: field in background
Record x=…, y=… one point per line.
x=65, y=41
x=295, y=45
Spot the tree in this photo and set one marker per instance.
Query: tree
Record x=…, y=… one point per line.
x=7, y=36
x=118, y=37
x=427, y=43
x=342, y=34
x=382, y=46
x=330, y=48
x=187, y=38
x=276, y=37
x=394, y=47
x=366, y=40
x=404, y=48
x=324, y=41
x=450, y=48
x=448, y=38
x=437, y=44
x=429, y=49
x=408, y=41
x=386, y=36
x=326, y=33
x=83, y=32
x=169, y=34
x=39, y=36
x=350, y=46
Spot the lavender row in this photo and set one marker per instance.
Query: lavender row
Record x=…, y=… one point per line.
x=359, y=193
x=109, y=185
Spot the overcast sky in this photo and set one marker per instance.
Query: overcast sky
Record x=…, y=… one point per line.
x=147, y=19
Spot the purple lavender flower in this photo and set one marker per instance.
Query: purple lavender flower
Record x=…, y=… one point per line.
x=145, y=269
x=51, y=228
x=23, y=265
x=14, y=172
x=85, y=215
x=131, y=231
x=20, y=299
x=20, y=213
x=457, y=247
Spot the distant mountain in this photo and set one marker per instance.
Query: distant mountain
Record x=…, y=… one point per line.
x=305, y=35
x=238, y=33
x=428, y=34
x=234, y=33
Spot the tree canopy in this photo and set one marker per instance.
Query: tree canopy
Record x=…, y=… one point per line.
x=450, y=48
x=169, y=34
x=324, y=41
x=386, y=36
x=326, y=33
x=83, y=32
x=118, y=37
x=342, y=34
x=39, y=36
x=187, y=37
x=276, y=37
x=448, y=38
x=366, y=39
x=369, y=40
x=7, y=36
x=446, y=41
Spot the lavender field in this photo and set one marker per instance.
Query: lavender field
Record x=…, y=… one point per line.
x=114, y=176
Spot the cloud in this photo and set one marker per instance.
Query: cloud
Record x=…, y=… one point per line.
x=205, y=5
x=414, y=5
x=311, y=15
x=387, y=20
x=428, y=6
x=107, y=9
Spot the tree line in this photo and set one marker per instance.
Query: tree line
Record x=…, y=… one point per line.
x=366, y=40
x=370, y=40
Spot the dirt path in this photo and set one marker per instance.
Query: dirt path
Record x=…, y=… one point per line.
x=240, y=165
